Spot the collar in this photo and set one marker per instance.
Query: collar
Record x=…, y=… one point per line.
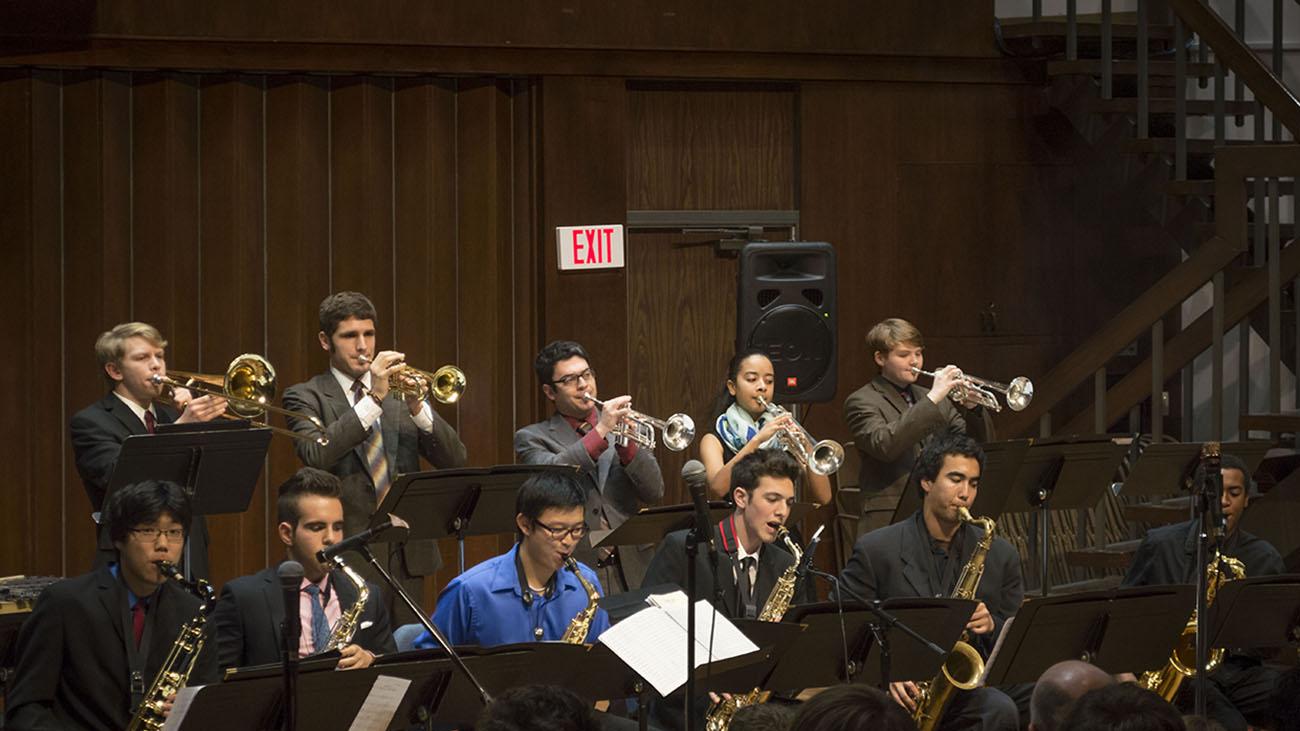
x=592, y=418
x=730, y=543
x=135, y=408
x=933, y=543
x=131, y=598
x=508, y=576
x=346, y=381
x=323, y=585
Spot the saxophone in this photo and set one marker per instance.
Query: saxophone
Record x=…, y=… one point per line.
x=1182, y=661
x=719, y=717
x=343, y=630
x=963, y=666
x=176, y=669
x=576, y=633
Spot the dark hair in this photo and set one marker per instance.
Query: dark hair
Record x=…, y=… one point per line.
x=554, y=352
x=853, y=707
x=1228, y=462
x=306, y=481
x=764, y=463
x=340, y=306
x=763, y=717
x=1284, y=703
x=1196, y=723
x=537, y=708
x=1122, y=707
x=550, y=489
x=724, y=399
x=145, y=502
x=939, y=446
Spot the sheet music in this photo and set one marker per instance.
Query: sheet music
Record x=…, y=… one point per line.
x=997, y=647
x=181, y=706
x=380, y=704
x=653, y=641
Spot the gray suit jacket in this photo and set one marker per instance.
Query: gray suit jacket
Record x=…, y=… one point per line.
x=344, y=456
x=614, y=490
x=895, y=561
x=888, y=434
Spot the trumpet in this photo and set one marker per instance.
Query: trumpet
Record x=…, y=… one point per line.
x=982, y=391
x=821, y=458
x=678, y=429
x=248, y=386
x=445, y=385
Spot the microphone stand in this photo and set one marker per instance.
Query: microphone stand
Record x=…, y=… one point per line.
x=432, y=629
x=1209, y=531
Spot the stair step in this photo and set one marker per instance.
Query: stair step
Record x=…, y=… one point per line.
x=1161, y=512
x=1198, y=107
x=1114, y=556
x=1168, y=146
x=1126, y=67
x=1123, y=26
x=1205, y=188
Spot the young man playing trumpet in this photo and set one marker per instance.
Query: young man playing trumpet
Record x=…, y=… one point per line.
x=891, y=416
x=923, y=556
x=129, y=355
x=618, y=479
x=251, y=609
x=374, y=435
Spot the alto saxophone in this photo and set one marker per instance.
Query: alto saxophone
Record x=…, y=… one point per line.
x=963, y=666
x=719, y=717
x=1182, y=661
x=344, y=629
x=576, y=632
x=176, y=669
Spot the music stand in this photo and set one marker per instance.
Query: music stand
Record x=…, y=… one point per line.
x=1002, y=462
x=218, y=467
x=476, y=501
x=1254, y=613
x=1275, y=517
x=1122, y=630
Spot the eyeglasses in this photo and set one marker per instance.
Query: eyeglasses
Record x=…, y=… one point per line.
x=174, y=535
x=571, y=380
x=559, y=533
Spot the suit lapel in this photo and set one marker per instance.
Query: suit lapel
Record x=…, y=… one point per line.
x=890, y=394
x=110, y=599
x=725, y=540
x=123, y=413
x=274, y=603
x=914, y=555
x=334, y=403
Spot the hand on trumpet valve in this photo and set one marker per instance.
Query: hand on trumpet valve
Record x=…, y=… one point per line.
x=381, y=365
x=612, y=413
x=203, y=408
x=945, y=380
x=773, y=427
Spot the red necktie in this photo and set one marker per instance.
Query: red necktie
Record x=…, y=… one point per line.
x=137, y=616
x=148, y=426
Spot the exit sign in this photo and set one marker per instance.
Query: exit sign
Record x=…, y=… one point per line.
x=589, y=247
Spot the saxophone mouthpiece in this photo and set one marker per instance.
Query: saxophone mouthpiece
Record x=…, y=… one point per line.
x=965, y=516
x=168, y=569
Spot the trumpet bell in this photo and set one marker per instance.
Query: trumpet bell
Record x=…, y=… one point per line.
x=679, y=432
x=449, y=383
x=827, y=457
x=1019, y=393
x=445, y=384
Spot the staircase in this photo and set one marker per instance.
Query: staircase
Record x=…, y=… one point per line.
x=1201, y=133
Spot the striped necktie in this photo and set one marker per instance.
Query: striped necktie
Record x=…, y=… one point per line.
x=376, y=459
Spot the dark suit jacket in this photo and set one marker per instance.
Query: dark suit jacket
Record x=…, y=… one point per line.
x=344, y=456
x=896, y=561
x=97, y=435
x=888, y=434
x=251, y=609
x=1167, y=555
x=614, y=490
x=72, y=669
x=669, y=567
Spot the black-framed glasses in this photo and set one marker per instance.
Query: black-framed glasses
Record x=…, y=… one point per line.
x=560, y=532
x=173, y=535
x=572, y=379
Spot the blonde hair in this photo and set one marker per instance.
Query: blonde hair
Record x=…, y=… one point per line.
x=889, y=334
x=111, y=345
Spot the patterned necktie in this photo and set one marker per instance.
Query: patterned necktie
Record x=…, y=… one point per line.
x=149, y=422
x=320, y=627
x=376, y=460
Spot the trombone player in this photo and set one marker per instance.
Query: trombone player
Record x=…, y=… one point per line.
x=129, y=355
x=618, y=478
x=373, y=436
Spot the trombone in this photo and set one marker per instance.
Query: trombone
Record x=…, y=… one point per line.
x=678, y=429
x=248, y=386
x=982, y=391
x=445, y=385
x=821, y=458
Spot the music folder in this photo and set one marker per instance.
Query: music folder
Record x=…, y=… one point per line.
x=219, y=465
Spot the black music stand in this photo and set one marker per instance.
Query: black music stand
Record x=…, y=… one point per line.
x=477, y=501
x=1066, y=473
x=1122, y=630
x=1255, y=613
x=1275, y=517
x=1002, y=462
x=218, y=466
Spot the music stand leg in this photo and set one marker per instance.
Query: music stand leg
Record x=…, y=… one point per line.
x=1044, y=533
x=460, y=547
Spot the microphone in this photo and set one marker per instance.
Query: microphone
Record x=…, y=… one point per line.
x=290, y=573
x=394, y=523
x=697, y=481
x=806, y=562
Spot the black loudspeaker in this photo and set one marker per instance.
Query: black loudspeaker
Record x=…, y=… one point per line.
x=786, y=308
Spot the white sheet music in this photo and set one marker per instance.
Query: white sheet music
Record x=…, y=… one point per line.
x=380, y=704
x=181, y=706
x=653, y=641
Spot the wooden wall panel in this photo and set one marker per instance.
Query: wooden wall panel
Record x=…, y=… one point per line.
x=361, y=191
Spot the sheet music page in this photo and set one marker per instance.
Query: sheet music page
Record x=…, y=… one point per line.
x=997, y=646
x=181, y=706
x=380, y=704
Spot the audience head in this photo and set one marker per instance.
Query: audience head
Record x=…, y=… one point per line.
x=852, y=708
x=1122, y=707
x=537, y=708
x=1057, y=690
x=1284, y=705
x=763, y=717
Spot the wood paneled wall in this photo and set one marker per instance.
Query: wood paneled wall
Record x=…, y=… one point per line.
x=223, y=206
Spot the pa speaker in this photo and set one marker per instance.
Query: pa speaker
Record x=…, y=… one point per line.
x=786, y=309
